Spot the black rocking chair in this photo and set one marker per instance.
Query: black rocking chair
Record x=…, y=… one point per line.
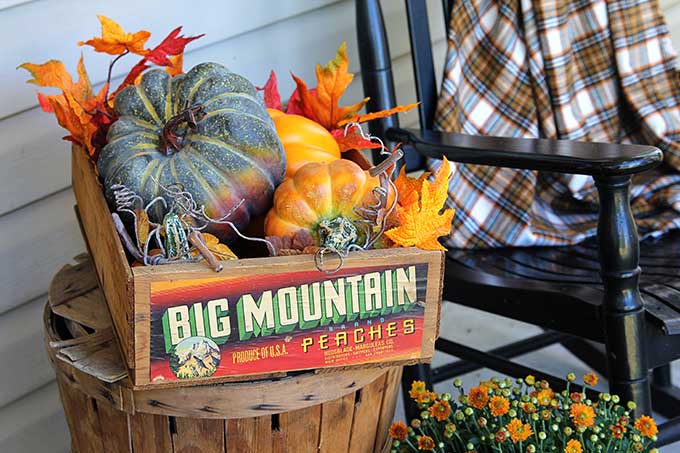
x=583, y=296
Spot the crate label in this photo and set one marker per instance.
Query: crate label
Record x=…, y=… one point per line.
x=263, y=323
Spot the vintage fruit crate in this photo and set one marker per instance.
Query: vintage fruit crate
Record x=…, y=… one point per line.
x=186, y=324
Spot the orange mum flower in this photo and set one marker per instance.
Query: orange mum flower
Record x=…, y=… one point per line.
x=440, y=410
x=583, y=415
x=425, y=443
x=499, y=406
x=417, y=389
x=398, y=430
x=573, y=446
x=646, y=426
x=478, y=397
x=590, y=379
x=519, y=432
x=617, y=431
x=529, y=408
x=576, y=397
x=545, y=396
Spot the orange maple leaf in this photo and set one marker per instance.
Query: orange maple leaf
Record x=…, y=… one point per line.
x=408, y=188
x=75, y=106
x=115, y=41
x=332, y=81
x=176, y=65
x=421, y=222
x=54, y=74
x=376, y=115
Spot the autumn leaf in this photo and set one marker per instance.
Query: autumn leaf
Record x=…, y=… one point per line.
x=295, y=104
x=376, y=115
x=422, y=222
x=175, y=67
x=53, y=74
x=272, y=97
x=141, y=228
x=173, y=44
x=408, y=188
x=76, y=106
x=114, y=40
x=351, y=138
x=333, y=79
x=221, y=251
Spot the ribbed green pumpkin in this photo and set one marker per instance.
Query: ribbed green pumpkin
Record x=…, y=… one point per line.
x=233, y=153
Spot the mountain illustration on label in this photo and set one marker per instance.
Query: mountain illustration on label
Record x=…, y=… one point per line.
x=195, y=357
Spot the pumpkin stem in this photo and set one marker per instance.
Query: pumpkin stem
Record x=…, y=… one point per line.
x=171, y=142
x=337, y=234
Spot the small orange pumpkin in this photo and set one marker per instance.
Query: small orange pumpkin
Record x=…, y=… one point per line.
x=303, y=141
x=320, y=192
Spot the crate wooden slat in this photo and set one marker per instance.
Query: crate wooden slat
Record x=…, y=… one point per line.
x=334, y=410
x=113, y=272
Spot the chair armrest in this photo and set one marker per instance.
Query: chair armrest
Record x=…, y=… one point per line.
x=563, y=156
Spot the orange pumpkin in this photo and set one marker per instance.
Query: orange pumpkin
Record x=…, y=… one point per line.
x=303, y=141
x=320, y=193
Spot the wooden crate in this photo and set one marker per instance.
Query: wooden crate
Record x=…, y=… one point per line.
x=391, y=301
x=324, y=411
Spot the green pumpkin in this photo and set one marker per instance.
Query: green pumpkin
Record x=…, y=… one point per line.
x=206, y=130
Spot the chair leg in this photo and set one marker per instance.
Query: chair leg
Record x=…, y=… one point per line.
x=661, y=376
x=419, y=372
x=623, y=310
x=666, y=395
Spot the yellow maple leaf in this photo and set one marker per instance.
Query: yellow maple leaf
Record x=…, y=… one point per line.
x=142, y=227
x=114, y=40
x=421, y=221
x=221, y=251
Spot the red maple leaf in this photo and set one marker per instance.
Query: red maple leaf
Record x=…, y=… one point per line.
x=173, y=44
x=351, y=138
x=272, y=97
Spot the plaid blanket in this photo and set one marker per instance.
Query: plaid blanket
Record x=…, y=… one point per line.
x=585, y=70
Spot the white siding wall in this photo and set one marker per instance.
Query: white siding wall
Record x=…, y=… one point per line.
x=38, y=230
